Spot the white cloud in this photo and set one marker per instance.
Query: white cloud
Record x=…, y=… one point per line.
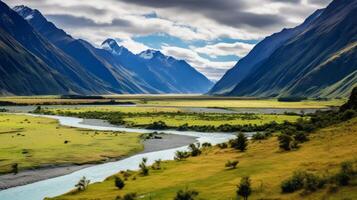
x=223, y=49
x=213, y=70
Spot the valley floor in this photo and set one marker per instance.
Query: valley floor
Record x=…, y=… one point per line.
x=266, y=165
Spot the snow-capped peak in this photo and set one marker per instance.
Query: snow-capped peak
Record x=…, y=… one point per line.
x=112, y=46
x=149, y=54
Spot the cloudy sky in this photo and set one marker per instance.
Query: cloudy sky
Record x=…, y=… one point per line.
x=212, y=35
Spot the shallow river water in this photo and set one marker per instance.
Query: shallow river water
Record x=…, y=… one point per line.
x=59, y=185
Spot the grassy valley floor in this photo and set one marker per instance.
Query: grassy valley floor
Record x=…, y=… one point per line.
x=33, y=142
x=173, y=118
x=266, y=165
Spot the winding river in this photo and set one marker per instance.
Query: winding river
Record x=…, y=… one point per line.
x=62, y=184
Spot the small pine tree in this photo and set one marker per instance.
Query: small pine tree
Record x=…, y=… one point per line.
x=244, y=188
x=119, y=183
x=144, y=169
x=82, y=184
x=240, y=143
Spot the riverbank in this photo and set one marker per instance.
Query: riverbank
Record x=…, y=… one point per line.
x=52, y=171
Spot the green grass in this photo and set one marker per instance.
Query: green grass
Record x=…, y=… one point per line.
x=263, y=162
x=180, y=101
x=210, y=119
x=174, y=117
x=239, y=103
x=122, y=109
x=34, y=141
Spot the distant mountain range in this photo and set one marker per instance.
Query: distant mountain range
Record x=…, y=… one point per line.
x=316, y=59
x=39, y=58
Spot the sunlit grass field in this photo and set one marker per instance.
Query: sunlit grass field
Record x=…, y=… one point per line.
x=266, y=165
x=211, y=119
x=123, y=109
x=180, y=101
x=33, y=141
x=174, y=117
x=235, y=103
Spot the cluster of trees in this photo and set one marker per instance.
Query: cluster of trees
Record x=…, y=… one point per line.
x=309, y=182
x=194, y=150
x=240, y=142
x=294, y=133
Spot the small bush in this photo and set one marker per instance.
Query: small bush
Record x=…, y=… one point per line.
x=181, y=155
x=259, y=136
x=82, y=184
x=15, y=168
x=244, y=188
x=129, y=196
x=119, y=183
x=194, y=150
x=186, y=195
x=294, y=183
x=222, y=145
x=156, y=165
x=302, y=180
x=232, y=164
x=240, y=143
x=285, y=141
x=206, y=144
x=345, y=175
x=144, y=170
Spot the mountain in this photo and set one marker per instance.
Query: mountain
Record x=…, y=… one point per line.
x=115, y=78
x=32, y=65
x=260, y=52
x=321, y=61
x=165, y=73
x=119, y=70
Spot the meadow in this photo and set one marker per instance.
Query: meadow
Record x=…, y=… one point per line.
x=263, y=161
x=175, y=117
x=33, y=142
x=176, y=101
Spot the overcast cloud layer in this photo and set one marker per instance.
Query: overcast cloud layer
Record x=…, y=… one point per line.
x=210, y=34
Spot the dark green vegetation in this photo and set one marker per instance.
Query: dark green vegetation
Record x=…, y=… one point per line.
x=310, y=182
x=121, y=118
x=315, y=59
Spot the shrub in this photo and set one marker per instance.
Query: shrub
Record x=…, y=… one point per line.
x=302, y=180
x=244, y=188
x=82, y=184
x=181, y=155
x=259, y=136
x=285, y=141
x=15, y=168
x=156, y=165
x=348, y=114
x=344, y=176
x=300, y=136
x=294, y=183
x=222, y=145
x=159, y=125
x=129, y=196
x=232, y=164
x=194, y=150
x=206, y=144
x=186, y=195
x=119, y=183
x=313, y=182
x=144, y=170
x=240, y=143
